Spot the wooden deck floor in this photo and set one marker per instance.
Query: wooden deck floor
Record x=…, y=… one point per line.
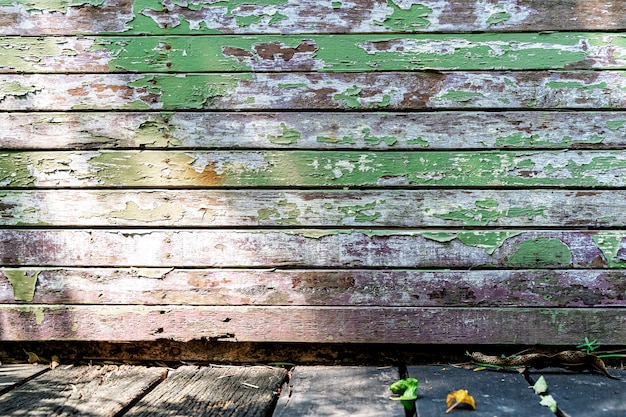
x=111, y=390
x=306, y=391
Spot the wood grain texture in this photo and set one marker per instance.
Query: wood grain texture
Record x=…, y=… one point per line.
x=314, y=130
x=305, y=16
x=212, y=392
x=343, y=248
x=94, y=391
x=371, y=171
x=323, y=53
x=314, y=324
x=320, y=287
x=248, y=169
x=315, y=208
x=12, y=376
x=314, y=91
x=322, y=391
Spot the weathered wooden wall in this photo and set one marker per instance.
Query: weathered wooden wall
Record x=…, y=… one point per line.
x=434, y=171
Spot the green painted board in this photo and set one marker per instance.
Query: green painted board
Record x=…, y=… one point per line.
x=334, y=53
x=313, y=169
x=373, y=91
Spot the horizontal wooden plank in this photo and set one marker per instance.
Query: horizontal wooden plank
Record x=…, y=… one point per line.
x=324, y=390
x=315, y=324
x=310, y=91
x=12, y=376
x=97, y=391
x=603, y=169
x=335, y=53
x=308, y=130
x=213, y=392
x=315, y=248
x=314, y=287
x=329, y=208
x=22, y=17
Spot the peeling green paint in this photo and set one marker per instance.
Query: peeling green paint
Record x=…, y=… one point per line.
x=292, y=85
x=288, y=136
x=610, y=243
x=377, y=140
x=350, y=97
x=441, y=237
x=29, y=54
x=542, y=252
x=160, y=212
x=193, y=91
x=498, y=17
x=418, y=141
x=486, y=211
x=487, y=240
x=615, y=124
x=458, y=96
x=318, y=168
x=50, y=5
x=16, y=89
x=360, y=53
x=413, y=18
x=576, y=84
x=156, y=133
x=521, y=140
x=283, y=213
x=333, y=139
x=14, y=169
x=364, y=212
x=230, y=10
x=24, y=283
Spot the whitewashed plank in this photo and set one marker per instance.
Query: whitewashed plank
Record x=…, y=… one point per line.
x=317, y=208
x=344, y=248
x=313, y=130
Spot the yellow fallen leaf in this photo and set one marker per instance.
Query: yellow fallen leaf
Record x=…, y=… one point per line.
x=459, y=397
x=55, y=362
x=34, y=358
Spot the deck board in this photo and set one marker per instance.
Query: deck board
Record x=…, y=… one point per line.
x=12, y=376
x=496, y=393
x=84, y=390
x=573, y=391
x=339, y=391
x=213, y=391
